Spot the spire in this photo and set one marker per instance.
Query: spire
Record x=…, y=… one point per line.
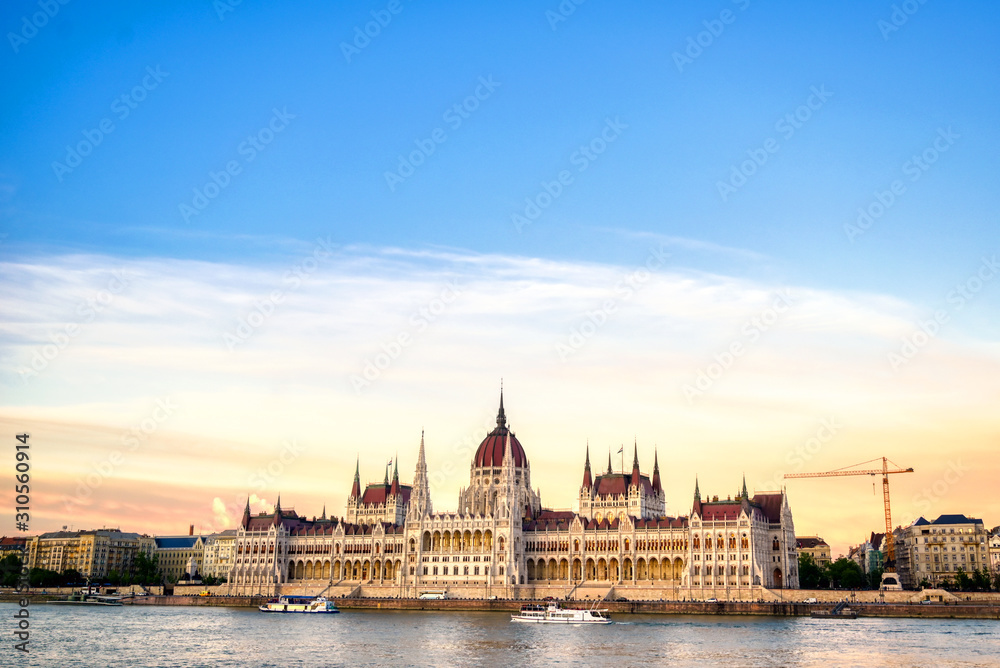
x=394, y=490
x=501, y=417
x=657, y=487
x=385, y=481
x=246, y=514
x=588, y=481
x=609, y=461
x=420, y=499
x=635, y=465
x=508, y=458
x=323, y=516
x=696, y=508
x=356, y=489
x=277, y=511
x=743, y=493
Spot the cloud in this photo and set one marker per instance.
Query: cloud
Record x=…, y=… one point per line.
x=429, y=332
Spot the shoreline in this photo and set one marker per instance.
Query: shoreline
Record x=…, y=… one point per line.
x=736, y=608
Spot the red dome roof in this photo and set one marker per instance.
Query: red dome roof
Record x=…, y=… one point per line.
x=490, y=452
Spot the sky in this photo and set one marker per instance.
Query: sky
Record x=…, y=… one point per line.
x=244, y=245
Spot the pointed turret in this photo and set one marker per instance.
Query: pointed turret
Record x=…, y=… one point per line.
x=385, y=480
x=356, y=489
x=656, y=472
x=508, y=457
x=696, y=507
x=323, y=516
x=394, y=490
x=743, y=492
x=588, y=481
x=246, y=514
x=420, y=498
x=609, y=462
x=636, y=476
x=277, y=511
x=501, y=417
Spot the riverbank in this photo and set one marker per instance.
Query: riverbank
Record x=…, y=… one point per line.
x=900, y=610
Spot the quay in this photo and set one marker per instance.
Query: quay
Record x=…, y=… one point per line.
x=768, y=608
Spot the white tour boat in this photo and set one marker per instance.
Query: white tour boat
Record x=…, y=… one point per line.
x=314, y=604
x=553, y=613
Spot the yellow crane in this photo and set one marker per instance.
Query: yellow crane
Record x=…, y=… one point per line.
x=890, y=551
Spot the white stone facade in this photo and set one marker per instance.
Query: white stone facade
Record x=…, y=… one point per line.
x=502, y=541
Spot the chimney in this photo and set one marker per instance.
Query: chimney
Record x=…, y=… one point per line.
x=191, y=530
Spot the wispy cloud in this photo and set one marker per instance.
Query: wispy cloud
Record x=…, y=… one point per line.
x=439, y=361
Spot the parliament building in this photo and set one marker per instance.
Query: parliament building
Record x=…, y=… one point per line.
x=502, y=542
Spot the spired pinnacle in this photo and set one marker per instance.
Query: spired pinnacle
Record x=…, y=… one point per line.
x=697, y=492
x=501, y=417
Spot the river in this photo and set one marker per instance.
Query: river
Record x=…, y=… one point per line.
x=236, y=637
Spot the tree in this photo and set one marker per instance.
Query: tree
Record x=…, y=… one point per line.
x=925, y=583
x=811, y=574
x=981, y=579
x=962, y=580
x=875, y=579
x=846, y=574
x=996, y=580
x=42, y=577
x=146, y=569
x=10, y=570
x=71, y=576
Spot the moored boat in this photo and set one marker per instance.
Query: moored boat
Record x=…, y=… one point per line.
x=553, y=613
x=90, y=599
x=309, y=604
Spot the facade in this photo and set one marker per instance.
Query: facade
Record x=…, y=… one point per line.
x=95, y=554
x=869, y=555
x=994, y=549
x=815, y=547
x=175, y=554
x=935, y=550
x=12, y=545
x=219, y=549
x=502, y=541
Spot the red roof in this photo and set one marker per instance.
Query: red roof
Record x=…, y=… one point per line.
x=770, y=505
x=617, y=484
x=490, y=452
x=662, y=523
x=809, y=542
x=720, y=511
x=378, y=493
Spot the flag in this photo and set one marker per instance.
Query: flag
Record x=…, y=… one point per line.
x=621, y=449
x=390, y=463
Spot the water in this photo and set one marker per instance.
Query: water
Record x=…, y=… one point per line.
x=231, y=637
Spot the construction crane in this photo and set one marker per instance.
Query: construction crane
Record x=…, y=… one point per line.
x=890, y=553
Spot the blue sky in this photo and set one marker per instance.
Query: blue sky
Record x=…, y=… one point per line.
x=324, y=174
x=621, y=144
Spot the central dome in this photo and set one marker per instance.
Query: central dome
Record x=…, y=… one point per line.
x=490, y=452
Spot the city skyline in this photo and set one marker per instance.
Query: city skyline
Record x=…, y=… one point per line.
x=243, y=246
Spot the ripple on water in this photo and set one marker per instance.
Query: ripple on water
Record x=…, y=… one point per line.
x=230, y=637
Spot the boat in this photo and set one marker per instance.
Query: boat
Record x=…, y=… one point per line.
x=90, y=599
x=310, y=604
x=553, y=613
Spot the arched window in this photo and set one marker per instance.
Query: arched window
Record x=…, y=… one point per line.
x=774, y=544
